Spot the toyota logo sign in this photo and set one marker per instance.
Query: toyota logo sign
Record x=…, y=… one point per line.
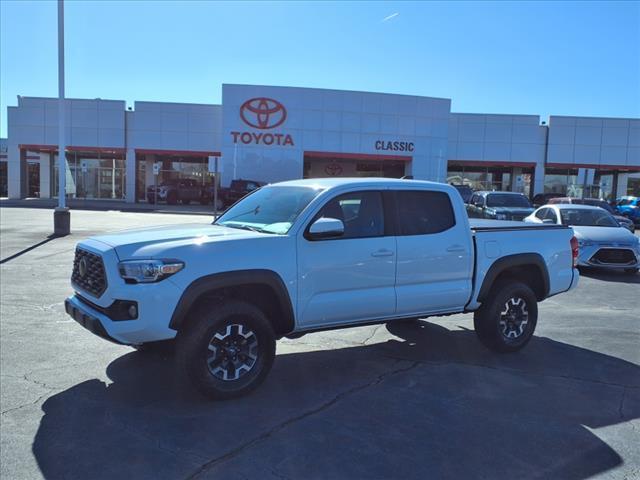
x=333, y=169
x=263, y=113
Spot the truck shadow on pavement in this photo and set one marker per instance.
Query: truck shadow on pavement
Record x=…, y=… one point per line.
x=610, y=275
x=429, y=403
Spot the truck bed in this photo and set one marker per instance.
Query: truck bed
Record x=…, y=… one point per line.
x=497, y=240
x=484, y=225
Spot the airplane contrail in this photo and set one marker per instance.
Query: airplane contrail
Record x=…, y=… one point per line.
x=393, y=15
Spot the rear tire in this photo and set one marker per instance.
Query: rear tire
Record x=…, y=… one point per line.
x=227, y=349
x=507, y=319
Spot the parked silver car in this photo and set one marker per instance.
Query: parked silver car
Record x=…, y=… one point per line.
x=602, y=241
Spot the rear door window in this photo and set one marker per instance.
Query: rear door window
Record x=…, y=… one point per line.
x=541, y=213
x=551, y=215
x=423, y=212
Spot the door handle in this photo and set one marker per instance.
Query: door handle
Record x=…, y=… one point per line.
x=382, y=253
x=456, y=248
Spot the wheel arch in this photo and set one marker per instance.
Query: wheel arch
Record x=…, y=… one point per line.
x=530, y=268
x=263, y=288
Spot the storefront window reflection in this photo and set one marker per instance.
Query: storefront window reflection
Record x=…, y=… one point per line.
x=580, y=183
x=171, y=167
x=491, y=178
x=93, y=175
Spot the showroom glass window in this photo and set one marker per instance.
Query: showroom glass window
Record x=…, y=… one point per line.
x=93, y=174
x=171, y=169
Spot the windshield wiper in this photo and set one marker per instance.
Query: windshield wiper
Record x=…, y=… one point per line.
x=247, y=227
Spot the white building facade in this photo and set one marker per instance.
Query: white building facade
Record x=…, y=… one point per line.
x=271, y=134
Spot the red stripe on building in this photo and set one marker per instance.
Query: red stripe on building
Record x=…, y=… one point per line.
x=71, y=148
x=627, y=168
x=358, y=156
x=490, y=163
x=183, y=153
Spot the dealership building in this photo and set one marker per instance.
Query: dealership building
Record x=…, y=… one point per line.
x=271, y=134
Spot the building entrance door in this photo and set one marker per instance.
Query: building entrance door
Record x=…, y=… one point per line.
x=33, y=179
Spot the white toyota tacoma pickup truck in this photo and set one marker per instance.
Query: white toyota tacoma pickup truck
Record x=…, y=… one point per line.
x=307, y=255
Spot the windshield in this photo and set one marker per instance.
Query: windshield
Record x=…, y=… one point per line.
x=270, y=209
x=595, y=217
x=507, y=200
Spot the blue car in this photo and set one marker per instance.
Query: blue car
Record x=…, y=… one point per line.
x=630, y=208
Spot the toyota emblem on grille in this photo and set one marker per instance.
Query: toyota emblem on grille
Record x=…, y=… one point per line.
x=82, y=268
x=263, y=113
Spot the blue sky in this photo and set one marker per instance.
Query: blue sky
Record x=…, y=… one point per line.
x=541, y=58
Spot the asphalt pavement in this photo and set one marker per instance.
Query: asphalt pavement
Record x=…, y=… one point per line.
x=397, y=401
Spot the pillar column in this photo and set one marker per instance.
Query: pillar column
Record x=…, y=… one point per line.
x=15, y=173
x=130, y=174
x=149, y=177
x=45, y=178
x=621, y=187
x=538, y=181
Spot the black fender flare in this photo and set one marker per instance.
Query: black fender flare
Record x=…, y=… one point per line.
x=511, y=261
x=236, y=278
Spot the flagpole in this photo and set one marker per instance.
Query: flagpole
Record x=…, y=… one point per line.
x=61, y=215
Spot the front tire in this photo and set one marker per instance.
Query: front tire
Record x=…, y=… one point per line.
x=507, y=319
x=227, y=350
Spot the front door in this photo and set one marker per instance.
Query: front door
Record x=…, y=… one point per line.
x=350, y=278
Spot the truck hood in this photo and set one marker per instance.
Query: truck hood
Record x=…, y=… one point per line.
x=618, y=235
x=134, y=242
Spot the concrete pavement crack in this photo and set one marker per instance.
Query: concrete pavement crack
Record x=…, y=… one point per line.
x=622, y=399
x=373, y=333
x=281, y=426
x=29, y=404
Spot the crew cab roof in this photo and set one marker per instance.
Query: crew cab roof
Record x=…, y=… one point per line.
x=356, y=181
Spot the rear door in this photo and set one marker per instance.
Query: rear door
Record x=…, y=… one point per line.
x=435, y=253
x=350, y=278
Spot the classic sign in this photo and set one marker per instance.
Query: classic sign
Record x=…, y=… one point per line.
x=394, y=146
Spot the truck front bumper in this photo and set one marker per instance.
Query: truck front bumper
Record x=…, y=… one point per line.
x=84, y=317
x=148, y=327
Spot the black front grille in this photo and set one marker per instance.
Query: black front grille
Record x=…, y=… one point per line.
x=614, y=255
x=88, y=272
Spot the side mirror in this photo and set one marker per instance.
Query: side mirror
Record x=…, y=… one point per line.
x=326, y=228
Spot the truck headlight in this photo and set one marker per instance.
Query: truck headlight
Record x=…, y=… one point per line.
x=148, y=271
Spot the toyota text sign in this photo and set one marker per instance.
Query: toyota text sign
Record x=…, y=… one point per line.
x=262, y=113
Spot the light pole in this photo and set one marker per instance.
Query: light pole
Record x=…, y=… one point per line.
x=61, y=215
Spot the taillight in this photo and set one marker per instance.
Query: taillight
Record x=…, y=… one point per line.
x=575, y=249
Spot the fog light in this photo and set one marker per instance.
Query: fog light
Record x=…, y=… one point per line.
x=133, y=311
